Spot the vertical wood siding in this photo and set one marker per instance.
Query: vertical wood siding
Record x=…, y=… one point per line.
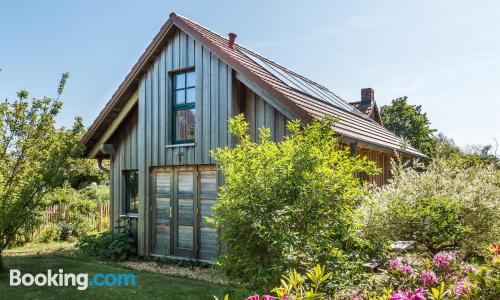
x=213, y=103
x=383, y=161
x=259, y=113
x=213, y=109
x=125, y=158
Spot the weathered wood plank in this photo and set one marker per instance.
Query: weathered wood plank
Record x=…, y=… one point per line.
x=183, y=50
x=260, y=115
x=190, y=52
x=250, y=111
x=279, y=125
x=198, y=56
x=230, y=105
x=169, y=60
x=223, y=107
x=155, y=108
x=214, y=99
x=206, y=108
x=269, y=120
x=162, y=109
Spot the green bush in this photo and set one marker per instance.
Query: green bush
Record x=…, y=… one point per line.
x=449, y=205
x=49, y=233
x=110, y=245
x=290, y=204
x=98, y=194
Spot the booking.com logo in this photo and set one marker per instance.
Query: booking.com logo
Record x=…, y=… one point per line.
x=81, y=280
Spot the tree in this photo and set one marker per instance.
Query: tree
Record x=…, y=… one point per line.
x=289, y=204
x=34, y=157
x=409, y=122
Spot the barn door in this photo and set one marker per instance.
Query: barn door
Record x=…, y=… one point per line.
x=162, y=211
x=182, y=198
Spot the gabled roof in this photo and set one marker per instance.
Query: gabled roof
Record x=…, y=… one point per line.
x=305, y=98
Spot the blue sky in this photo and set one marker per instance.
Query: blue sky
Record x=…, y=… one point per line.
x=443, y=55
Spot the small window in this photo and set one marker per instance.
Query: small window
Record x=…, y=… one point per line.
x=131, y=191
x=184, y=106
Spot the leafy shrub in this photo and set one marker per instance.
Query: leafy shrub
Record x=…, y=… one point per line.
x=290, y=204
x=98, y=194
x=49, y=233
x=29, y=230
x=297, y=287
x=110, y=245
x=77, y=221
x=447, y=206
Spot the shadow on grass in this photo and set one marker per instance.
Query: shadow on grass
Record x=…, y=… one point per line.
x=149, y=285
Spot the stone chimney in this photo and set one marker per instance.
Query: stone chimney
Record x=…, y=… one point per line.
x=367, y=97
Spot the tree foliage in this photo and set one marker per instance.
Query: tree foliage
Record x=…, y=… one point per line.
x=289, y=204
x=83, y=172
x=450, y=205
x=34, y=157
x=409, y=122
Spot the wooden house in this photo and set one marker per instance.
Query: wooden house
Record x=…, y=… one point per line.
x=173, y=107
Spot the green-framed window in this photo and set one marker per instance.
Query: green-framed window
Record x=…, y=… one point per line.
x=131, y=191
x=184, y=111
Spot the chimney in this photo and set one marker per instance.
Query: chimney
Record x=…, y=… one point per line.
x=367, y=96
x=232, y=38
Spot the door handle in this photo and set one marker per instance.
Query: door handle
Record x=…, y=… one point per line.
x=170, y=212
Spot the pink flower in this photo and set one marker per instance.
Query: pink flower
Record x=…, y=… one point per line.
x=409, y=295
x=395, y=264
x=254, y=297
x=407, y=269
x=462, y=287
x=444, y=259
x=356, y=297
x=267, y=297
x=285, y=297
x=468, y=268
x=428, y=277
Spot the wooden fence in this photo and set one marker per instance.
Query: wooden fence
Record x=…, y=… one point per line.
x=100, y=218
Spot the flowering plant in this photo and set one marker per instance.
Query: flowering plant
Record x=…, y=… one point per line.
x=444, y=277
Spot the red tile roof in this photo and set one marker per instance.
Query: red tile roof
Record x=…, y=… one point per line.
x=351, y=123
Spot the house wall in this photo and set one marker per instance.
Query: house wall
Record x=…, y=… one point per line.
x=259, y=113
x=383, y=161
x=213, y=109
x=125, y=141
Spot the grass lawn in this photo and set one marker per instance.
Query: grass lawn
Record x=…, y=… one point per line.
x=149, y=285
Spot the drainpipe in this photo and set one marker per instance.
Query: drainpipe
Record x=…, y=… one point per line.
x=106, y=149
x=101, y=166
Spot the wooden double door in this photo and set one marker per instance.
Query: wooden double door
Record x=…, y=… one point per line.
x=182, y=198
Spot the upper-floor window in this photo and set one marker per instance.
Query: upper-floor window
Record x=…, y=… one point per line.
x=131, y=191
x=184, y=106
